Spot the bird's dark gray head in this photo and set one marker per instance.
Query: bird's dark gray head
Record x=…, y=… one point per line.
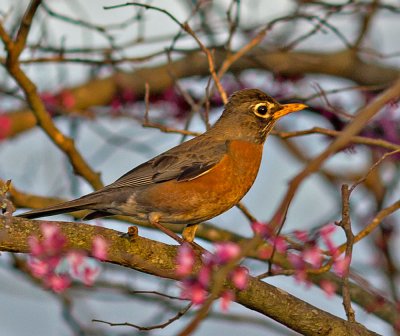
x=250, y=115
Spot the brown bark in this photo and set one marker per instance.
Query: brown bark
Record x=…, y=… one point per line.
x=158, y=259
x=100, y=92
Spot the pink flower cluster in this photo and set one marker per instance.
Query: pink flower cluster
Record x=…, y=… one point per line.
x=5, y=126
x=195, y=287
x=310, y=256
x=277, y=242
x=49, y=262
x=121, y=99
x=64, y=99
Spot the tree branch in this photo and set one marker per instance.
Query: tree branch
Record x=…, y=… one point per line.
x=341, y=64
x=158, y=259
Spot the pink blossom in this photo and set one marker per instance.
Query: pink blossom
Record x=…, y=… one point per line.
x=193, y=291
x=53, y=239
x=99, y=248
x=204, y=275
x=301, y=235
x=299, y=266
x=128, y=95
x=276, y=269
x=76, y=260
x=280, y=244
x=38, y=268
x=341, y=265
x=116, y=104
x=301, y=276
x=5, y=126
x=89, y=275
x=313, y=255
x=328, y=287
x=53, y=261
x=58, y=283
x=265, y=252
x=208, y=259
x=185, y=260
x=225, y=252
x=48, y=99
x=296, y=261
x=327, y=230
x=48, y=254
x=68, y=99
x=35, y=246
x=240, y=277
x=326, y=233
x=226, y=298
x=261, y=229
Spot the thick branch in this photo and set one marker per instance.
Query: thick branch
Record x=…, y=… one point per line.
x=341, y=64
x=159, y=259
x=385, y=309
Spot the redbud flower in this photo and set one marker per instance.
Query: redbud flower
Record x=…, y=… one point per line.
x=48, y=257
x=99, y=248
x=328, y=287
x=204, y=275
x=261, y=228
x=296, y=260
x=326, y=233
x=240, y=277
x=35, y=246
x=185, y=260
x=67, y=99
x=53, y=239
x=76, y=260
x=313, y=255
x=90, y=274
x=265, y=252
x=193, y=291
x=5, y=126
x=226, y=298
x=280, y=244
x=38, y=268
x=301, y=235
x=225, y=252
x=341, y=265
x=58, y=283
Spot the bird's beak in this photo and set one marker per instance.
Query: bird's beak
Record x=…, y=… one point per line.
x=288, y=108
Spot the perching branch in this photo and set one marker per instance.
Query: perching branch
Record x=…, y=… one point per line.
x=158, y=259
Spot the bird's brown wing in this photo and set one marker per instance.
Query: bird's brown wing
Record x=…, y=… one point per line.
x=182, y=163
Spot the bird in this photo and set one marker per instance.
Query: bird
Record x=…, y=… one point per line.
x=196, y=180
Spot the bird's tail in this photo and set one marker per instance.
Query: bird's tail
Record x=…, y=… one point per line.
x=66, y=207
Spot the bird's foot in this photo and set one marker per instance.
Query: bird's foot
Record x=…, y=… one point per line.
x=132, y=233
x=154, y=220
x=189, y=232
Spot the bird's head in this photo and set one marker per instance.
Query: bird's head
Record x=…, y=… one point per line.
x=251, y=114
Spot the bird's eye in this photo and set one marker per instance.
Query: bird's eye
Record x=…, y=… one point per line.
x=261, y=110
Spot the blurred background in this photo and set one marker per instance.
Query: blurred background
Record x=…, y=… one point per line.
x=91, y=64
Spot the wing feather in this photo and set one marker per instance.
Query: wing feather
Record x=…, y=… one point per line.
x=185, y=162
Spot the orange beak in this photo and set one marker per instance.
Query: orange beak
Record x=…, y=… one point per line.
x=288, y=108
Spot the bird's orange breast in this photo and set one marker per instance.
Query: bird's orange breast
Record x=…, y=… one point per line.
x=208, y=195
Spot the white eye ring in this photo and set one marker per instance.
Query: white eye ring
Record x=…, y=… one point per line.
x=262, y=110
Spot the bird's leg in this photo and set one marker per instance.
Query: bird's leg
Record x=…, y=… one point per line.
x=154, y=220
x=189, y=232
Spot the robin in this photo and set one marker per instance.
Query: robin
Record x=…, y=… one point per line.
x=196, y=180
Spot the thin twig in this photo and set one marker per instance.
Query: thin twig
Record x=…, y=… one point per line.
x=351, y=130
x=157, y=326
x=346, y=225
